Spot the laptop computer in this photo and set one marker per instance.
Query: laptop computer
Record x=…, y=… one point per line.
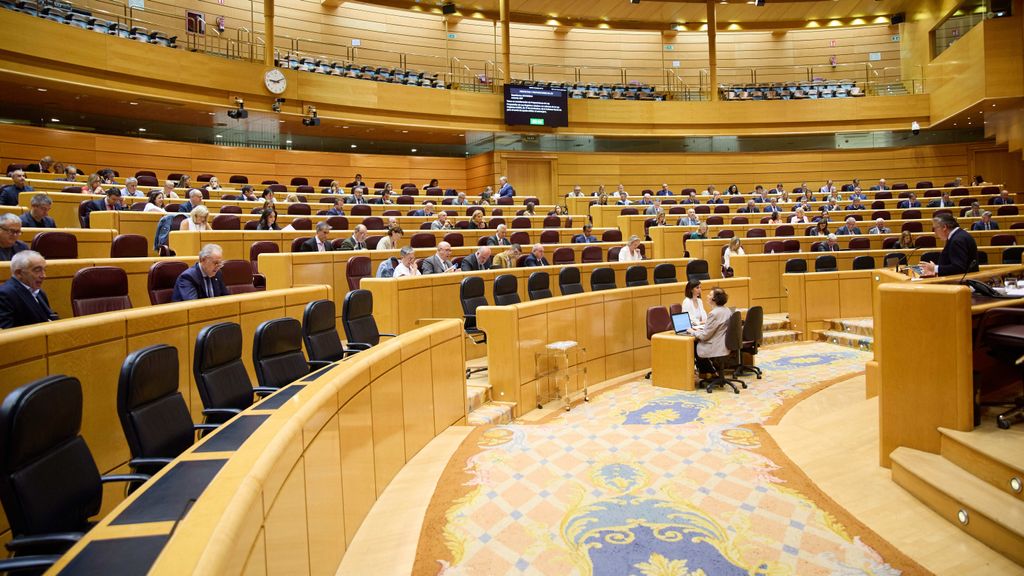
x=681, y=322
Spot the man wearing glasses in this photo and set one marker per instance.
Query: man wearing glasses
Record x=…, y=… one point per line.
x=10, y=231
x=203, y=280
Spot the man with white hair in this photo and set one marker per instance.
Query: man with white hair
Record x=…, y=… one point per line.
x=204, y=280
x=195, y=198
x=10, y=231
x=880, y=227
x=357, y=241
x=131, y=188
x=536, y=257
x=479, y=260
x=831, y=244
x=22, y=300
x=441, y=261
x=850, y=228
x=442, y=222
x=406, y=263
x=500, y=237
x=506, y=190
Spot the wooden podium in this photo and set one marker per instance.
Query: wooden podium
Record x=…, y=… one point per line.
x=672, y=361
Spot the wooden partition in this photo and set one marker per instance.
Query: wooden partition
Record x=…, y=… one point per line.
x=814, y=298
x=287, y=494
x=92, y=349
x=610, y=324
x=92, y=243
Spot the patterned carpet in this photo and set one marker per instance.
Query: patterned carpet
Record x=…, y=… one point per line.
x=652, y=482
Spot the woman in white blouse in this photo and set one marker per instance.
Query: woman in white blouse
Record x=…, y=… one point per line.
x=196, y=220
x=733, y=249
x=693, y=304
x=155, y=203
x=800, y=217
x=631, y=251
x=213, y=184
x=390, y=242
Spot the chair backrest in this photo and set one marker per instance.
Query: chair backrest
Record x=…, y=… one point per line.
x=549, y=237
x=912, y=214
x=864, y=263
x=360, y=210
x=796, y=266
x=611, y=236
x=1007, y=211
x=472, y=296
x=924, y=242
x=129, y=246
x=161, y=279
x=153, y=414
x=320, y=333
x=520, y=222
x=455, y=239
x=932, y=257
x=613, y=253
x=591, y=254
x=753, y=325
x=569, y=281
x=912, y=227
x=338, y=222
x=56, y=245
x=734, y=332
x=220, y=374
x=277, y=353
x=48, y=478
x=563, y=256
x=1003, y=240
x=773, y=246
x=602, y=278
x=261, y=247
x=357, y=318
x=297, y=243
x=506, y=290
x=99, y=289
x=726, y=233
x=357, y=268
x=237, y=276
x=899, y=256
x=665, y=273
x=551, y=222
x=423, y=240
x=299, y=181
x=784, y=230
x=859, y=243
x=373, y=223
x=636, y=275
x=538, y=286
x=658, y=320
x=226, y=222
x=697, y=270
x=825, y=263
x=791, y=245
x=1011, y=255
x=302, y=224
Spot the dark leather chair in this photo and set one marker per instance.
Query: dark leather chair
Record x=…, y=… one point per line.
x=221, y=377
x=361, y=331
x=357, y=268
x=454, y=239
x=932, y=257
x=773, y=246
x=551, y=222
x=697, y=270
x=99, y=289
x=860, y=244
x=49, y=483
x=898, y=256
x=506, y=290
x=129, y=246
x=658, y=320
x=338, y=222
x=1001, y=334
x=1002, y=240
x=237, y=275
x=796, y=266
x=320, y=333
x=753, y=333
x=864, y=263
x=569, y=281
x=1010, y=255
x=520, y=222
x=665, y=273
x=83, y=206
x=563, y=256
x=423, y=240
x=257, y=248
x=472, y=296
x=297, y=243
x=636, y=275
x=611, y=236
x=229, y=209
x=602, y=278
x=550, y=237
x=538, y=286
x=912, y=227
x=153, y=414
x=733, y=342
x=302, y=224
x=613, y=253
x=825, y=263
x=591, y=254
x=56, y=245
x=277, y=353
x=924, y=242
x=161, y=279
x=226, y=222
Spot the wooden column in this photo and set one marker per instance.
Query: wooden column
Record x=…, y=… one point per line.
x=506, y=59
x=712, y=51
x=268, y=32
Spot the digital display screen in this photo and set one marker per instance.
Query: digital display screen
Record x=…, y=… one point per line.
x=531, y=106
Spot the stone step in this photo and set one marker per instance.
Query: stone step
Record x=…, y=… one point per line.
x=491, y=413
x=862, y=326
x=779, y=337
x=976, y=507
x=775, y=322
x=476, y=396
x=848, y=339
x=993, y=455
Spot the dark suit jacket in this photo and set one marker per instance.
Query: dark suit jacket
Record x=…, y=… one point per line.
x=506, y=191
x=583, y=239
x=9, y=194
x=19, y=308
x=28, y=222
x=350, y=244
x=959, y=255
x=998, y=201
x=937, y=203
x=470, y=263
x=979, y=225
x=531, y=260
x=434, y=265
x=844, y=231
x=824, y=247
x=6, y=255
x=186, y=207
x=310, y=245
x=909, y=204
x=190, y=285
x=493, y=241
x=98, y=204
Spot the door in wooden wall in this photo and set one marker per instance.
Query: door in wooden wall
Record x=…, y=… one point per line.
x=532, y=177
x=1000, y=167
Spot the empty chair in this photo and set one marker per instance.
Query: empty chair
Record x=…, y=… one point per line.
x=753, y=333
x=472, y=296
x=611, y=236
x=221, y=377
x=237, y=275
x=298, y=242
x=912, y=227
x=161, y=279
x=569, y=281
x=238, y=179
x=357, y=319
x=825, y=263
x=357, y=268
x=613, y=253
x=338, y=222
x=562, y=256
x=373, y=223
x=518, y=237
x=261, y=247
x=784, y=230
x=796, y=266
x=549, y=237
x=860, y=244
x=277, y=353
x=226, y=222
x=1003, y=240
x=665, y=273
x=864, y=263
x=129, y=246
x=1007, y=211
x=932, y=257
x=455, y=239
x=520, y=222
x=1010, y=255
x=755, y=232
x=99, y=289
x=56, y=245
x=983, y=258
x=360, y=210
x=773, y=246
x=320, y=332
x=636, y=275
x=551, y=222
x=658, y=320
x=697, y=270
x=153, y=414
x=899, y=257
x=924, y=242
x=791, y=245
x=912, y=214
x=506, y=290
x=591, y=254
x=226, y=209
x=602, y=278
x=423, y=240
x=538, y=286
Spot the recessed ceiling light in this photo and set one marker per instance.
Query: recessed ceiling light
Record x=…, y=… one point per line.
x=211, y=113
x=353, y=146
x=287, y=141
x=133, y=103
x=405, y=131
x=993, y=105
x=54, y=119
x=954, y=123
x=280, y=121
x=142, y=129
x=345, y=127
x=413, y=149
x=44, y=90
x=219, y=136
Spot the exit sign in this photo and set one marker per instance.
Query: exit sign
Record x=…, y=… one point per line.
x=536, y=121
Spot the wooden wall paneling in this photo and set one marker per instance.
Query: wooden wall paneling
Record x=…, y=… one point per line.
x=325, y=503
x=287, y=538
x=998, y=165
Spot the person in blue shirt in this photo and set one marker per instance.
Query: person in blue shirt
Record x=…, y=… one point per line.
x=9, y=193
x=506, y=190
x=586, y=237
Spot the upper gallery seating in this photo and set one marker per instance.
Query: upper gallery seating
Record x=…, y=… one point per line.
x=66, y=13
x=361, y=72
x=791, y=90
x=631, y=91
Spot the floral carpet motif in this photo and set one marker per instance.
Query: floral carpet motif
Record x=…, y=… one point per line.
x=649, y=482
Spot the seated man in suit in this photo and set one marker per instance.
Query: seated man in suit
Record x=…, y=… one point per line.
x=112, y=201
x=942, y=202
x=910, y=202
x=427, y=210
x=653, y=208
x=1003, y=198
x=690, y=219
x=536, y=257
x=664, y=191
x=508, y=258
x=358, y=196
x=500, y=237
x=857, y=205
x=357, y=241
x=881, y=185
x=195, y=198
x=857, y=194
x=38, y=216
x=131, y=188
x=320, y=242
x=985, y=223
x=44, y=165
x=716, y=198
x=829, y=245
x=479, y=260
x=338, y=209
x=506, y=190
x=959, y=255
x=9, y=193
x=623, y=199
x=586, y=237
x=440, y=262
x=850, y=227
x=880, y=227
x=773, y=206
x=204, y=280
x=750, y=208
x=22, y=300
x=691, y=199
x=460, y=200
x=441, y=223
x=406, y=263
x=10, y=231
x=759, y=196
x=358, y=181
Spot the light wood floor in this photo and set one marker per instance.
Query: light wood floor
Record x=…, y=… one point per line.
x=833, y=437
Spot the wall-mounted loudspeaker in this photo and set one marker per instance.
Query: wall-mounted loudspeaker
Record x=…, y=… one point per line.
x=448, y=9
x=898, y=18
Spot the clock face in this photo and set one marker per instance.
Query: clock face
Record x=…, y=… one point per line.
x=275, y=81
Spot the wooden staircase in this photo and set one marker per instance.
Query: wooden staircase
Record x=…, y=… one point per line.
x=850, y=332
x=1007, y=127
x=482, y=409
x=975, y=482
x=776, y=330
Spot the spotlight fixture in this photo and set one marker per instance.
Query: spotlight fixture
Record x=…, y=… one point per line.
x=448, y=8
x=276, y=106
x=312, y=120
x=758, y=2
x=240, y=112
x=634, y=1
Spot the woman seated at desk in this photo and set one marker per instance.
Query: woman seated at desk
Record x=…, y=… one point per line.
x=711, y=337
x=693, y=305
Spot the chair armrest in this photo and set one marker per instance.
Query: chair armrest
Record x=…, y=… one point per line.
x=137, y=462
x=259, y=280
x=315, y=365
x=220, y=411
x=205, y=426
x=359, y=345
x=24, y=542
x=34, y=563
x=124, y=478
x=262, y=391
x=997, y=317
x=389, y=335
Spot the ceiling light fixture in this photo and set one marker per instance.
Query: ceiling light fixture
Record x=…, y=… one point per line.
x=54, y=119
x=352, y=146
x=219, y=136
x=142, y=129
x=41, y=89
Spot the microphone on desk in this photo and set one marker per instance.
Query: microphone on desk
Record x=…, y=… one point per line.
x=970, y=265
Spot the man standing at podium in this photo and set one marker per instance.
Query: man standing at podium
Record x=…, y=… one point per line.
x=959, y=255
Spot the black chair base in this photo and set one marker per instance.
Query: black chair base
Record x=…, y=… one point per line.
x=743, y=369
x=1007, y=419
x=720, y=380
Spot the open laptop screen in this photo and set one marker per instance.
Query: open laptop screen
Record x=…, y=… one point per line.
x=681, y=322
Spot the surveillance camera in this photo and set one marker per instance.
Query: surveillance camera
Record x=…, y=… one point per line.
x=239, y=114
x=276, y=106
x=310, y=121
x=915, y=128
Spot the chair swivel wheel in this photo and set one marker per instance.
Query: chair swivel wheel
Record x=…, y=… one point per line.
x=744, y=384
x=539, y=405
x=735, y=391
x=1003, y=423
